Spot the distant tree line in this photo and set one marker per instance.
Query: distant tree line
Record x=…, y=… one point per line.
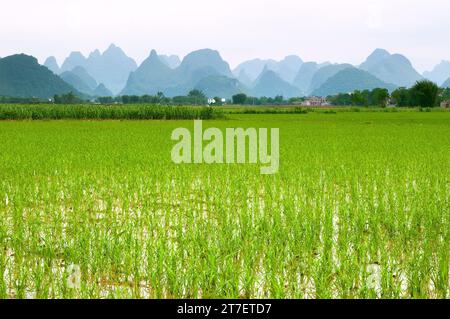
x=243, y=99
x=22, y=100
x=69, y=98
x=194, y=97
x=423, y=93
x=376, y=97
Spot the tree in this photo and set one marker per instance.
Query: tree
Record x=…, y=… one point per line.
x=360, y=98
x=68, y=98
x=445, y=94
x=240, y=98
x=379, y=97
x=197, y=97
x=218, y=101
x=125, y=99
x=402, y=97
x=160, y=96
x=278, y=99
x=105, y=100
x=341, y=99
x=197, y=93
x=296, y=100
x=425, y=93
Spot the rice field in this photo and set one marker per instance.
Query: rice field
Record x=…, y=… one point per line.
x=96, y=209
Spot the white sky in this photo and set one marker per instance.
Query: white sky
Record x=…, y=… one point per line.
x=319, y=30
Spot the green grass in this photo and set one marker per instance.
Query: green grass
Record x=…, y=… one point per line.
x=359, y=209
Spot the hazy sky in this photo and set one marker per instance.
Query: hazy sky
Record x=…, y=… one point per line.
x=320, y=30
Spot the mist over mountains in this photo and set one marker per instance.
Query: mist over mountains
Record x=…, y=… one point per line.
x=114, y=73
x=440, y=74
x=349, y=80
x=391, y=68
x=112, y=67
x=287, y=69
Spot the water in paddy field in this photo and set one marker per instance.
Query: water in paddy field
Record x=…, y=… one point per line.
x=98, y=209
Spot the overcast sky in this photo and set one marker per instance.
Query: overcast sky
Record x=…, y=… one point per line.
x=319, y=30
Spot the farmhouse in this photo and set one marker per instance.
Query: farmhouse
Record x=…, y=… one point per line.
x=445, y=104
x=316, y=101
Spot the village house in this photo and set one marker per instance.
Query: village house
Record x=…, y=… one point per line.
x=316, y=101
x=445, y=104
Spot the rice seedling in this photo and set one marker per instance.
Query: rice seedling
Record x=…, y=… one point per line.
x=97, y=209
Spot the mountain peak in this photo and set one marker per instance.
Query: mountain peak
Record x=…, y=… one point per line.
x=203, y=54
x=172, y=61
x=112, y=46
x=265, y=73
x=440, y=72
x=324, y=73
x=75, y=58
x=293, y=59
x=76, y=55
x=21, y=58
x=305, y=75
x=80, y=79
x=270, y=84
x=395, y=68
x=153, y=64
x=113, y=49
x=85, y=77
x=153, y=54
x=27, y=78
x=102, y=91
x=244, y=78
x=349, y=80
x=399, y=58
x=286, y=69
x=253, y=68
x=112, y=68
x=153, y=59
x=51, y=59
x=374, y=59
x=205, y=58
x=380, y=52
x=52, y=64
x=95, y=54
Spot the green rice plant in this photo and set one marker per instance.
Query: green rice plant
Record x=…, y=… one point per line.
x=97, y=209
